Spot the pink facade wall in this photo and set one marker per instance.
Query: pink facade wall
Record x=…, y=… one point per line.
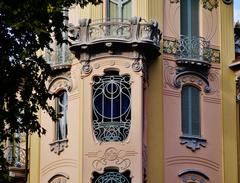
x=178, y=157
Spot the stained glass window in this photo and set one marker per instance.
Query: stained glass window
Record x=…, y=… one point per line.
x=111, y=107
x=112, y=176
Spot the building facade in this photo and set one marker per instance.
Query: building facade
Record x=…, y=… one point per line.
x=145, y=93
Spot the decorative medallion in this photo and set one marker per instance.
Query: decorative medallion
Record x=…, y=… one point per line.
x=137, y=66
x=86, y=68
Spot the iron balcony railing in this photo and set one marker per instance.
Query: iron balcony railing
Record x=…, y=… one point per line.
x=193, y=49
x=116, y=30
x=15, y=156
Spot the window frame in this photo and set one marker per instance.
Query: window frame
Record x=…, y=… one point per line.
x=63, y=112
x=189, y=122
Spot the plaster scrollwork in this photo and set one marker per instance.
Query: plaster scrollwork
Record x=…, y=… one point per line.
x=169, y=72
x=113, y=157
x=62, y=82
x=193, y=143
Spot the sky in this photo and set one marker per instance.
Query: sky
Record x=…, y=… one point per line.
x=236, y=10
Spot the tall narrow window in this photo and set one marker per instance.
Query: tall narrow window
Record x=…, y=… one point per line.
x=61, y=109
x=189, y=18
x=119, y=9
x=111, y=107
x=190, y=111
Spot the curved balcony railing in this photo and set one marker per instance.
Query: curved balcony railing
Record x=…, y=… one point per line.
x=134, y=30
x=193, y=49
x=15, y=156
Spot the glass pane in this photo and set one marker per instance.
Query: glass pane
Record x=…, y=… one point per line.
x=190, y=111
x=189, y=17
x=61, y=109
x=113, y=10
x=127, y=10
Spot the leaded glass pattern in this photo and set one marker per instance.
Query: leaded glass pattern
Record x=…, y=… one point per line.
x=111, y=107
x=112, y=176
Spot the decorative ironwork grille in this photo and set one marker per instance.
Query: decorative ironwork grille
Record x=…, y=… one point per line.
x=112, y=176
x=111, y=107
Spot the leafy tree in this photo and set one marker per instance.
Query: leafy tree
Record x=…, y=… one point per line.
x=26, y=26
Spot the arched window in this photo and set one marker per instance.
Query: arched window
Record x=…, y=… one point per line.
x=119, y=9
x=111, y=106
x=59, y=178
x=190, y=103
x=111, y=175
x=61, y=109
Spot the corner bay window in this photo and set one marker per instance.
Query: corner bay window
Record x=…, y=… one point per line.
x=111, y=106
x=190, y=111
x=61, y=109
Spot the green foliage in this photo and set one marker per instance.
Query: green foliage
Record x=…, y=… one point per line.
x=25, y=27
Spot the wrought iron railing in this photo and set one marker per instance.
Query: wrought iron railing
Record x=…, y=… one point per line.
x=193, y=49
x=15, y=155
x=127, y=31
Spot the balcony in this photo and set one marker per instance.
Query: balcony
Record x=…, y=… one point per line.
x=193, y=57
x=59, y=58
x=116, y=35
x=16, y=158
x=194, y=51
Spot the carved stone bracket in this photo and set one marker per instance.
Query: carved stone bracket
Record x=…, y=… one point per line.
x=194, y=77
x=193, y=143
x=59, y=146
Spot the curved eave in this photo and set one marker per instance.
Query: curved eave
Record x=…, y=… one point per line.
x=117, y=45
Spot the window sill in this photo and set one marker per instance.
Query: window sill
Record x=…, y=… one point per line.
x=58, y=146
x=192, y=142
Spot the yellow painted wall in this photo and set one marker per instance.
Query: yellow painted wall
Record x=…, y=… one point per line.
x=155, y=105
x=230, y=172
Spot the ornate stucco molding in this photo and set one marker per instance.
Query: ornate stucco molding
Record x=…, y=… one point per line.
x=59, y=146
x=193, y=143
x=189, y=175
x=61, y=82
x=112, y=157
